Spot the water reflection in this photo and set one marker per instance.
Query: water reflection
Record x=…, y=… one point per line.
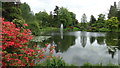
x=83, y=39
x=81, y=47
x=112, y=39
x=92, y=39
x=62, y=44
x=100, y=40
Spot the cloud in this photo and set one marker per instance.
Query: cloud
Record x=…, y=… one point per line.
x=92, y=54
x=90, y=7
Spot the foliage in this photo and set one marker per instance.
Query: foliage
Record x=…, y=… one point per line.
x=53, y=61
x=103, y=29
x=89, y=65
x=75, y=28
x=92, y=19
x=112, y=11
x=19, y=22
x=11, y=11
x=15, y=50
x=118, y=15
x=64, y=16
x=100, y=21
x=43, y=18
x=34, y=27
x=74, y=20
x=26, y=12
x=112, y=23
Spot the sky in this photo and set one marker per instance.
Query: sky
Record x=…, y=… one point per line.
x=79, y=7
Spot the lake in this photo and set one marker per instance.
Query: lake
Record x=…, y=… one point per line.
x=80, y=47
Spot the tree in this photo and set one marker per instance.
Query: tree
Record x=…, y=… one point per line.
x=42, y=17
x=112, y=23
x=101, y=20
x=51, y=19
x=112, y=11
x=73, y=16
x=56, y=17
x=92, y=19
x=10, y=11
x=84, y=18
x=64, y=17
x=27, y=14
x=101, y=17
x=118, y=15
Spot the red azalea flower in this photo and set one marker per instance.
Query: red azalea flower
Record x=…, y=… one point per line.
x=25, y=24
x=19, y=62
x=26, y=58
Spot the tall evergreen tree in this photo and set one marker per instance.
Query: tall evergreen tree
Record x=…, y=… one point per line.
x=92, y=19
x=112, y=11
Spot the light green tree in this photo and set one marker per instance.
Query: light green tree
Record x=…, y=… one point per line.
x=112, y=23
x=64, y=17
x=42, y=17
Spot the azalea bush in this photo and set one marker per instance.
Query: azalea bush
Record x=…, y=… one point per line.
x=15, y=50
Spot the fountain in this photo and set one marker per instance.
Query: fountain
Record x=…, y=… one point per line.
x=61, y=31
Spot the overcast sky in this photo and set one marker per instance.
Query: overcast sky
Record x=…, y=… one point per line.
x=89, y=7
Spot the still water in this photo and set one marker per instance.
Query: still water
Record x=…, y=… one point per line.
x=80, y=47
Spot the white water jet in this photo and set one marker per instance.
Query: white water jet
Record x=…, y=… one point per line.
x=61, y=31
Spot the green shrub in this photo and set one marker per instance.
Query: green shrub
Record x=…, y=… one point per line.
x=104, y=29
x=75, y=28
x=54, y=61
x=34, y=27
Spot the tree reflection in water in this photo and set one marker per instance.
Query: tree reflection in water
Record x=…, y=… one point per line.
x=110, y=40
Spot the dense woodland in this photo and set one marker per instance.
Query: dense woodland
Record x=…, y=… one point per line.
x=21, y=13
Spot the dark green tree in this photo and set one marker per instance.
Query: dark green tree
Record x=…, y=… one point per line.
x=10, y=11
x=101, y=20
x=51, y=19
x=92, y=19
x=27, y=14
x=112, y=11
x=73, y=16
x=118, y=15
x=56, y=17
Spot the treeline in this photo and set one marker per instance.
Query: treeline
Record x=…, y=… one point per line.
x=21, y=13
x=101, y=24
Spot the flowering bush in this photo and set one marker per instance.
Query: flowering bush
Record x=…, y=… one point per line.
x=15, y=51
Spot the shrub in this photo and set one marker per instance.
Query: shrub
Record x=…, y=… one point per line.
x=75, y=28
x=53, y=61
x=104, y=29
x=15, y=50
